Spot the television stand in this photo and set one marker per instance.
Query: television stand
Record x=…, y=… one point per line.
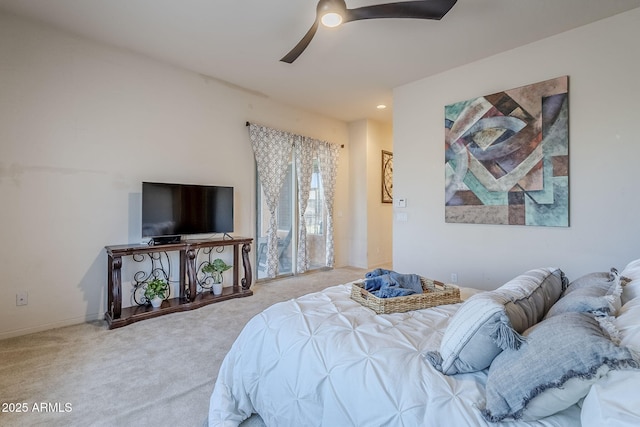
x=188, y=298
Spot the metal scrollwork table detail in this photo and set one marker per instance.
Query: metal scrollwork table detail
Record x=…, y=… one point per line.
x=189, y=297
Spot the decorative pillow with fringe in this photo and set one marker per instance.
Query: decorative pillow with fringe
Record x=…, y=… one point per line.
x=489, y=322
x=562, y=357
x=612, y=401
x=595, y=292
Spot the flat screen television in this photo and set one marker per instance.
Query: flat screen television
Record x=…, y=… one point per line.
x=170, y=211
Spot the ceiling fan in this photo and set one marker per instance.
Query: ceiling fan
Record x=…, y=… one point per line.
x=332, y=13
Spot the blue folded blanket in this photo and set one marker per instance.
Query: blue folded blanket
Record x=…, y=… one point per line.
x=378, y=272
x=410, y=281
x=376, y=283
x=388, y=284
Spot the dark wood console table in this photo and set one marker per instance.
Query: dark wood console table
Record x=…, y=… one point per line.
x=189, y=298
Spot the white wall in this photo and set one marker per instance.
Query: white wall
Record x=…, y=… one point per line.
x=371, y=220
x=380, y=215
x=358, y=203
x=602, y=61
x=81, y=125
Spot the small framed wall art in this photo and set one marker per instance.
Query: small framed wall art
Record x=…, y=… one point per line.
x=387, y=177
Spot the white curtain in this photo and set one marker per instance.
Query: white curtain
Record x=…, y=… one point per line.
x=328, y=163
x=305, y=149
x=272, y=150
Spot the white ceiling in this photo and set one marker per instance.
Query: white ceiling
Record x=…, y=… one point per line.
x=345, y=72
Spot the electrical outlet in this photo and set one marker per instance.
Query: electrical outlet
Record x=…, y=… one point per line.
x=454, y=277
x=22, y=298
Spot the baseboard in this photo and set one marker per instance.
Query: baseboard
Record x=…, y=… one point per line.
x=48, y=326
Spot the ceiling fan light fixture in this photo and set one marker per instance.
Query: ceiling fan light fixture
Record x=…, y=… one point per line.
x=331, y=12
x=331, y=19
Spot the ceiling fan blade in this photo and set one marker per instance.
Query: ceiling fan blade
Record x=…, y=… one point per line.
x=302, y=44
x=418, y=9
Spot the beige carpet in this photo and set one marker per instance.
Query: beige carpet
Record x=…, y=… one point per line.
x=158, y=372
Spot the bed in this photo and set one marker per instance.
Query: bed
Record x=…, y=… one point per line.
x=325, y=360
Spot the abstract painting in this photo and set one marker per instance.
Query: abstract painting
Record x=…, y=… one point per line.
x=507, y=157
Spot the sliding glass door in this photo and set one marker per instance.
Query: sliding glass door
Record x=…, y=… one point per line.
x=288, y=226
x=315, y=218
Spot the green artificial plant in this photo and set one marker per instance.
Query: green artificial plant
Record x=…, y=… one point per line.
x=156, y=288
x=216, y=268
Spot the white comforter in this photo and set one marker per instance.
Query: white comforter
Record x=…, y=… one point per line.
x=324, y=360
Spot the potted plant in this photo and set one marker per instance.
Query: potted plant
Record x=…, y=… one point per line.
x=216, y=268
x=156, y=291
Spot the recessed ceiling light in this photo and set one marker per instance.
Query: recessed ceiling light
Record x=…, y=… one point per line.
x=381, y=107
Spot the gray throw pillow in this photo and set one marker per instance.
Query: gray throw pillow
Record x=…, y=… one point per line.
x=594, y=292
x=561, y=358
x=489, y=322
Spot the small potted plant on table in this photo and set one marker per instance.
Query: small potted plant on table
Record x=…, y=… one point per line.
x=216, y=268
x=156, y=291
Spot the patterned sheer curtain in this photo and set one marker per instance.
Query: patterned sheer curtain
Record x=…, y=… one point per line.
x=305, y=149
x=328, y=164
x=272, y=149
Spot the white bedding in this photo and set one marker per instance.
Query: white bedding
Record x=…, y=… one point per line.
x=324, y=360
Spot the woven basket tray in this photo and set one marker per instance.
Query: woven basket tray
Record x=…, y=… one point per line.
x=435, y=293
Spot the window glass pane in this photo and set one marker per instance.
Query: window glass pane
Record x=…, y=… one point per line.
x=315, y=219
x=286, y=213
